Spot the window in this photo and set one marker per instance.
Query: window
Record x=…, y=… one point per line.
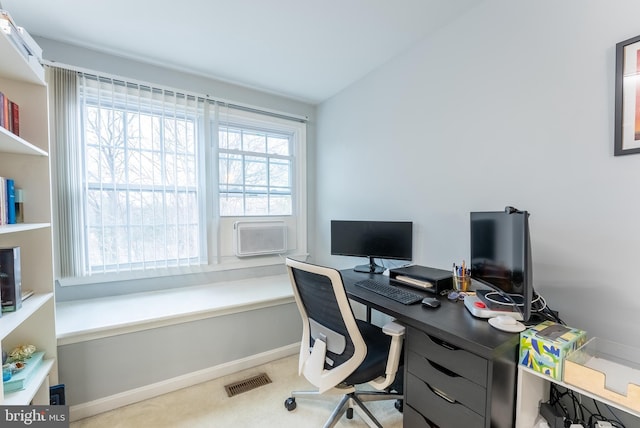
x=255, y=172
x=141, y=176
x=156, y=167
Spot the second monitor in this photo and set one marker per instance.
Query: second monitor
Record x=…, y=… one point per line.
x=372, y=239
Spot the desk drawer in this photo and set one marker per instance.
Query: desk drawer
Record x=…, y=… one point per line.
x=412, y=419
x=439, y=410
x=459, y=361
x=454, y=386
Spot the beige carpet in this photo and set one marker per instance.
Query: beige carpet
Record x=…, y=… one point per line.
x=207, y=405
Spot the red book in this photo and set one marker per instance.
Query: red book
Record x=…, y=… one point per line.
x=1, y=109
x=15, y=118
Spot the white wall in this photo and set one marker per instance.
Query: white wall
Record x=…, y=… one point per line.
x=513, y=104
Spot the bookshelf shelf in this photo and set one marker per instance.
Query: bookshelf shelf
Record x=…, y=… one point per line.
x=27, y=395
x=11, y=143
x=12, y=320
x=22, y=227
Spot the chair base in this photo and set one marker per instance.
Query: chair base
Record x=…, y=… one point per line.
x=349, y=401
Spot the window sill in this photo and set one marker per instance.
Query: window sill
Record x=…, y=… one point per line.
x=233, y=263
x=82, y=320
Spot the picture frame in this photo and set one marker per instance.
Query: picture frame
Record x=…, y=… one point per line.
x=627, y=98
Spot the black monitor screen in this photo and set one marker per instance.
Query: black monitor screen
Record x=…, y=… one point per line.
x=373, y=239
x=501, y=254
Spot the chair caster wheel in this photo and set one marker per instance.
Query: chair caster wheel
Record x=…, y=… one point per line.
x=350, y=413
x=290, y=403
x=399, y=404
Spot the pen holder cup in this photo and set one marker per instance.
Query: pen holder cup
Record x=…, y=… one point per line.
x=461, y=283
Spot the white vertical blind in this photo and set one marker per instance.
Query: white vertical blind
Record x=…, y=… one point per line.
x=134, y=168
x=66, y=152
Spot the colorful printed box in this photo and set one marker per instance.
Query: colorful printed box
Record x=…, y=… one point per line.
x=544, y=347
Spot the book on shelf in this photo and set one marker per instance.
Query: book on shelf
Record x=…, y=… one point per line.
x=11, y=202
x=9, y=114
x=2, y=109
x=5, y=111
x=4, y=211
x=14, y=126
x=19, y=205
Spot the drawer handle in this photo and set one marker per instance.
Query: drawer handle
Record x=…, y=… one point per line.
x=441, y=394
x=442, y=369
x=443, y=343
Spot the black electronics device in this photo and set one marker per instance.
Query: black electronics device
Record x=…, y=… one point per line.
x=372, y=239
x=424, y=278
x=431, y=302
x=405, y=297
x=10, y=279
x=501, y=260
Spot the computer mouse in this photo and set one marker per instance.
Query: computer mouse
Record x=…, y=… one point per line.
x=431, y=302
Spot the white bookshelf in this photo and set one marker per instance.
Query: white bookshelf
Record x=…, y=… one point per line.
x=25, y=158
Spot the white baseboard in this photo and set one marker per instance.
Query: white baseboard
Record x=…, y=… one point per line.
x=91, y=408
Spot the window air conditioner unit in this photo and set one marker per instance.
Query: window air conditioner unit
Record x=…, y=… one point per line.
x=254, y=238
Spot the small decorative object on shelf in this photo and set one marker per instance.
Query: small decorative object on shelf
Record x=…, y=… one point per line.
x=22, y=372
x=17, y=360
x=22, y=352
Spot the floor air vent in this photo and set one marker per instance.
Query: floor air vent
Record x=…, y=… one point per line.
x=236, y=388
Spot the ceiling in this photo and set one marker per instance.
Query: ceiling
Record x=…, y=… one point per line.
x=302, y=49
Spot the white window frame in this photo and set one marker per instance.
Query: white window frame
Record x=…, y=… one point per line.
x=296, y=222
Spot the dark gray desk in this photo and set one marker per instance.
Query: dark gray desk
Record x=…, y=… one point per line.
x=459, y=371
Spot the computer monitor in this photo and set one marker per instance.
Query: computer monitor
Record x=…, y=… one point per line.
x=372, y=239
x=501, y=259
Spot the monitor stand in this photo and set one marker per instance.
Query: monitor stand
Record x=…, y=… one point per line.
x=372, y=267
x=480, y=307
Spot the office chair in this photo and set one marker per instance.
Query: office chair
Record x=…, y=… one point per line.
x=338, y=352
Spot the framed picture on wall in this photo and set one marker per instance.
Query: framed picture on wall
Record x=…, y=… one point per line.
x=627, y=90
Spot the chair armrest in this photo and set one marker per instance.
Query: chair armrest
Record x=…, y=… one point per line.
x=396, y=331
x=393, y=329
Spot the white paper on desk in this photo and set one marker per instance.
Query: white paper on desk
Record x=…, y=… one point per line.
x=617, y=376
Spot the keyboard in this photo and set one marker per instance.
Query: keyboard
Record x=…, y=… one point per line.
x=390, y=291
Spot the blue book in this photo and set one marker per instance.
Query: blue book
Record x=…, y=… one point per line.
x=11, y=201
